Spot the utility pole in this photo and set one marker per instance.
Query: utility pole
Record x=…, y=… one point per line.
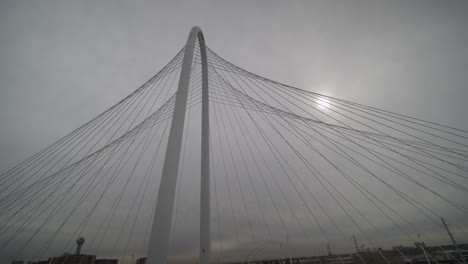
x=355, y=244
x=329, y=249
x=460, y=255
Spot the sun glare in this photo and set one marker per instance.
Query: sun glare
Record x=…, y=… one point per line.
x=323, y=103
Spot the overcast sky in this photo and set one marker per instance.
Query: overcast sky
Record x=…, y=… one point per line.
x=64, y=62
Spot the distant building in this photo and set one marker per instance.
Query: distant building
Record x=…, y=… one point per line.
x=141, y=261
x=106, y=261
x=439, y=257
x=73, y=259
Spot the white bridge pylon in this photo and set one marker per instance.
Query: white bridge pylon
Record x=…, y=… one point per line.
x=160, y=232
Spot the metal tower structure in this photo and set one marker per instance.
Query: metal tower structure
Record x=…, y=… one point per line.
x=79, y=243
x=160, y=232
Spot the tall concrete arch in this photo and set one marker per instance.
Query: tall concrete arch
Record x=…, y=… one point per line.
x=160, y=232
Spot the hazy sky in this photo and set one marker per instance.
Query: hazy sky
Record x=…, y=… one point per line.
x=64, y=62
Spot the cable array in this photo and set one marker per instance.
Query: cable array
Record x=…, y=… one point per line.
x=368, y=161
x=291, y=170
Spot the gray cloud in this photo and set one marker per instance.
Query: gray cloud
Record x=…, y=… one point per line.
x=63, y=63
